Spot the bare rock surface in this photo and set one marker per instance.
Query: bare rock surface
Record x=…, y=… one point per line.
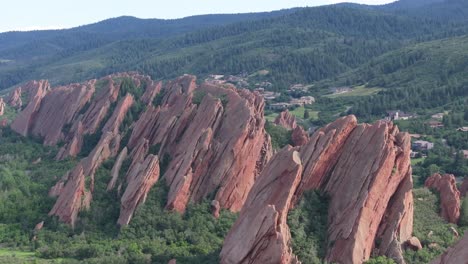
x=286, y=120
x=449, y=195
x=299, y=137
x=261, y=234
x=457, y=254
x=140, y=180
x=364, y=169
x=2, y=106
x=211, y=138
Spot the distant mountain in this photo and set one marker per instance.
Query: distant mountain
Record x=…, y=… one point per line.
x=17, y=45
x=296, y=46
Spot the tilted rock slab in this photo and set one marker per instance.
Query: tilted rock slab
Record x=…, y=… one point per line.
x=211, y=138
x=26, y=118
x=261, y=233
x=217, y=145
x=299, y=136
x=449, y=195
x=365, y=170
x=457, y=254
x=286, y=120
x=2, y=106
x=140, y=180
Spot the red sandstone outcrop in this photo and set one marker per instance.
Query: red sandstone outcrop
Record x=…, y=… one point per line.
x=449, y=195
x=397, y=225
x=286, y=120
x=211, y=138
x=215, y=208
x=74, y=195
x=116, y=168
x=261, y=234
x=216, y=144
x=39, y=226
x=457, y=254
x=366, y=172
x=26, y=118
x=140, y=180
x=15, y=100
x=2, y=106
x=414, y=244
x=464, y=187
x=299, y=137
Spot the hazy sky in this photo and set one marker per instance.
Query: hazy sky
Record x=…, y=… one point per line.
x=51, y=14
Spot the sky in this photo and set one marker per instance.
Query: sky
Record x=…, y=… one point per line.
x=57, y=14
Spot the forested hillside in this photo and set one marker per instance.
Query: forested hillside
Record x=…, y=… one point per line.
x=298, y=45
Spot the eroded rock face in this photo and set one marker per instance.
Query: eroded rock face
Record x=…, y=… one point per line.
x=210, y=138
x=215, y=139
x=286, y=120
x=364, y=169
x=15, y=100
x=457, y=254
x=261, y=234
x=140, y=179
x=299, y=137
x=2, y=106
x=26, y=118
x=449, y=195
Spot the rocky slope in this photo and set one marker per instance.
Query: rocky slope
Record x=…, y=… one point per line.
x=364, y=169
x=204, y=140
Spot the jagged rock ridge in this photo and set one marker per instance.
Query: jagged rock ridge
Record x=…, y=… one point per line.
x=209, y=139
x=364, y=169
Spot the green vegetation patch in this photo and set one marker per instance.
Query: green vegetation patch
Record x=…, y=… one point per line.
x=357, y=91
x=308, y=225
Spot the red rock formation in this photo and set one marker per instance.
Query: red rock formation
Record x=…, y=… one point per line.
x=457, y=254
x=299, y=137
x=74, y=196
x=116, y=168
x=449, y=195
x=15, y=100
x=215, y=208
x=286, y=120
x=152, y=89
x=217, y=145
x=140, y=180
x=2, y=106
x=365, y=170
x=261, y=234
x=414, y=244
x=39, y=226
x=397, y=225
x=464, y=187
x=172, y=261
x=23, y=122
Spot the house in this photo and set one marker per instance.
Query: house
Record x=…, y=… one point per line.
x=462, y=129
x=438, y=116
x=415, y=135
x=422, y=145
x=399, y=115
x=435, y=124
x=414, y=154
x=304, y=100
